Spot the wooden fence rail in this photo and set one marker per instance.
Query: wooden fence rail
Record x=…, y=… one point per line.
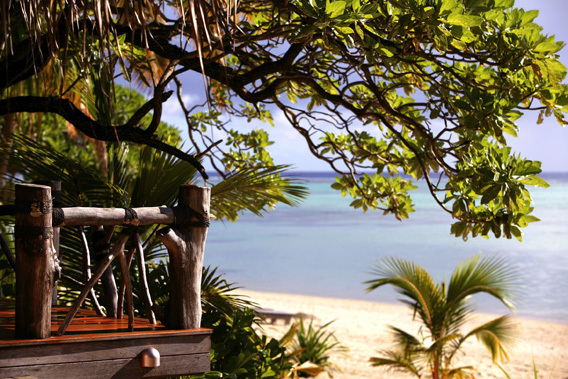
x=37, y=265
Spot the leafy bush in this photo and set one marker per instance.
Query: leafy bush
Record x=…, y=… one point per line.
x=238, y=351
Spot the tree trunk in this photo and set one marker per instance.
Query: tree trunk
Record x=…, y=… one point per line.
x=186, y=243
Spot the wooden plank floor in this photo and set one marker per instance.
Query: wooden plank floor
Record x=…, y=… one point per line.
x=102, y=346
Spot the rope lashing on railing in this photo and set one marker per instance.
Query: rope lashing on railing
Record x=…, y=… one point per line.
x=57, y=216
x=184, y=213
x=130, y=216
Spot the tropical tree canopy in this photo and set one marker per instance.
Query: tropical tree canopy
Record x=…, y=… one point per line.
x=383, y=91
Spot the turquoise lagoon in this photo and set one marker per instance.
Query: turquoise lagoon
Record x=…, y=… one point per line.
x=325, y=248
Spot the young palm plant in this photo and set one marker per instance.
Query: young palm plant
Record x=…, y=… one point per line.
x=442, y=308
x=310, y=349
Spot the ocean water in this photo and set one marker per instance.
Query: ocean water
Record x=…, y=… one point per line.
x=326, y=248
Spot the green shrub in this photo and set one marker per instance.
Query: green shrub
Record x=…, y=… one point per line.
x=312, y=348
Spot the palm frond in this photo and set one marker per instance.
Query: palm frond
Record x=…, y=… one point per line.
x=443, y=309
x=414, y=282
x=497, y=335
x=492, y=275
x=217, y=293
x=120, y=172
x=404, y=341
x=396, y=362
x=81, y=185
x=440, y=343
x=464, y=372
x=288, y=337
x=255, y=190
x=316, y=343
x=159, y=178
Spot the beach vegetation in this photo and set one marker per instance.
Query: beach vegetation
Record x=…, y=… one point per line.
x=384, y=93
x=442, y=309
x=311, y=349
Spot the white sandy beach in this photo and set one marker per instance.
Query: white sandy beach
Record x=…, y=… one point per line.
x=361, y=326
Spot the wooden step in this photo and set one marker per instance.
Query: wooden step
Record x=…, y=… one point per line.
x=100, y=347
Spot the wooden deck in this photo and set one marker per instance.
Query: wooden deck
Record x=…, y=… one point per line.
x=100, y=347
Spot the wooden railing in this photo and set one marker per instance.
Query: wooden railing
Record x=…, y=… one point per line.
x=37, y=266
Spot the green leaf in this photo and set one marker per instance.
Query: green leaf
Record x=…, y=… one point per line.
x=547, y=46
x=467, y=21
x=448, y=5
x=528, y=17
x=535, y=181
x=335, y=9
x=459, y=45
x=504, y=3
x=302, y=32
x=388, y=51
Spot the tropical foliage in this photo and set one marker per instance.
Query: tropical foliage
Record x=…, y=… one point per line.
x=156, y=182
x=428, y=88
x=133, y=176
x=442, y=308
x=311, y=349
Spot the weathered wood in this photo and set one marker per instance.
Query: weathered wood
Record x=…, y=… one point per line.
x=87, y=270
x=143, y=279
x=57, y=202
x=116, y=250
x=174, y=365
x=116, y=216
x=126, y=284
x=85, y=326
x=102, y=347
x=122, y=286
x=99, y=347
x=37, y=267
x=101, y=249
x=185, y=244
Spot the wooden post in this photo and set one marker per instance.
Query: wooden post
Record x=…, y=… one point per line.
x=186, y=243
x=57, y=202
x=36, y=261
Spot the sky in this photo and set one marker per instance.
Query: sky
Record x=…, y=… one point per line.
x=547, y=142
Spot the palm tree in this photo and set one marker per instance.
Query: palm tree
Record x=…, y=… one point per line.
x=442, y=309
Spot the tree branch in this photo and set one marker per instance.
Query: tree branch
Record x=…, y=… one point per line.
x=93, y=129
x=29, y=57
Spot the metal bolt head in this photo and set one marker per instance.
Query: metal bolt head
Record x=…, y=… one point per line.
x=150, y=357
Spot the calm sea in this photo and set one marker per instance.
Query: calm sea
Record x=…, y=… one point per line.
x=326, y=248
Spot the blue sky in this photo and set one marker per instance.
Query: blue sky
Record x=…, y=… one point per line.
x=547, y=142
